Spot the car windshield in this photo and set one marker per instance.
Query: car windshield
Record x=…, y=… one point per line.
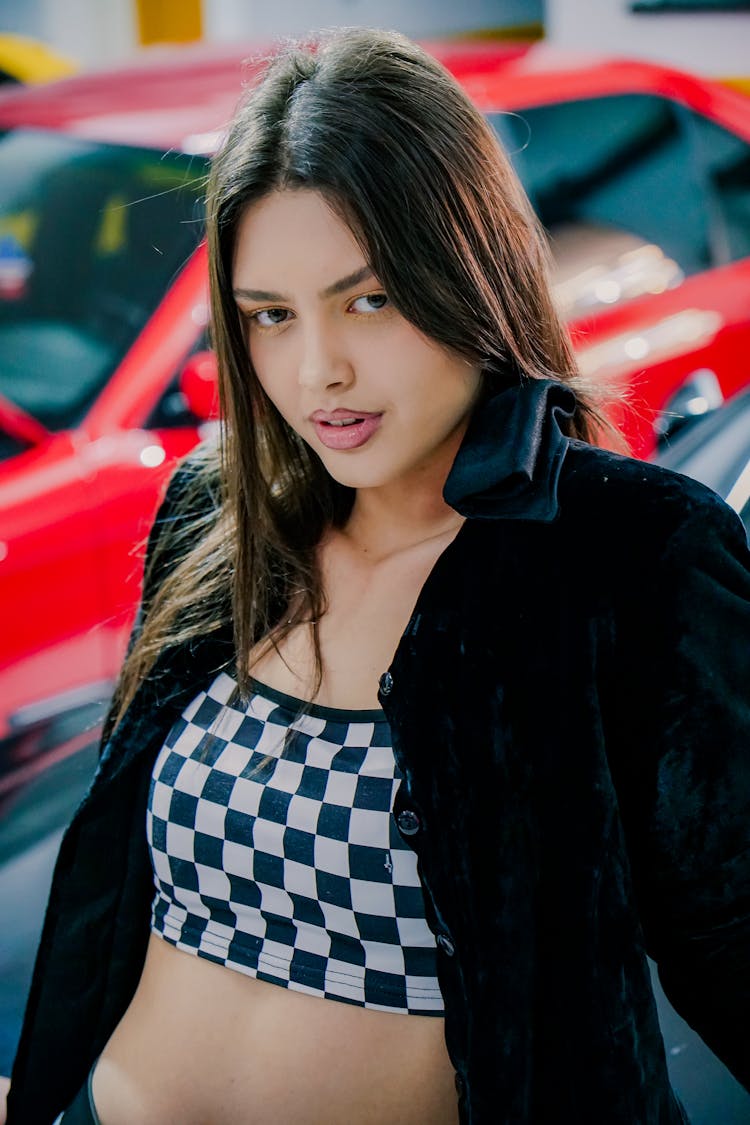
x=91, y=236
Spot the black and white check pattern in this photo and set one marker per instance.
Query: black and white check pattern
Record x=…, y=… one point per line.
x=293, y=871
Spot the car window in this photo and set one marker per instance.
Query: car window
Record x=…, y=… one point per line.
x=91, y=236
x=724, y=160
x=620, y=167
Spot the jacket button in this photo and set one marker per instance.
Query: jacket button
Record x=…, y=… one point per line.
x=386, y=683
x=408, y=822
x=446, y=944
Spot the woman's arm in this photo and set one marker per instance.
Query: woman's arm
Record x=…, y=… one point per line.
x=682, y=768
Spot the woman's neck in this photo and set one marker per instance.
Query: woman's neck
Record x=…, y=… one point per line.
x=382, y=524
x=409, y=510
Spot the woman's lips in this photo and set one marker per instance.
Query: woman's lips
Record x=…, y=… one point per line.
x=347, y=432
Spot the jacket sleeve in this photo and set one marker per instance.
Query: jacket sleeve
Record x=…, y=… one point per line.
x=683, y=768
x=95, y=930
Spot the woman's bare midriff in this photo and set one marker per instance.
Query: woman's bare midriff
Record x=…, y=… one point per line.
x=202, y=1044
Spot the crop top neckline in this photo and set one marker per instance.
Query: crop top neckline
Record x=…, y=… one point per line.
x=294, y=706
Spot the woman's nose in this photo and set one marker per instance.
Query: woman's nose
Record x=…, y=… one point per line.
x=323, y=362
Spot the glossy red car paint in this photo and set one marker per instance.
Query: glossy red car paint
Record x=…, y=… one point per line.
x=75, y=504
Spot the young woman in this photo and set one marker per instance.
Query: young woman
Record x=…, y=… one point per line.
x=435, y=718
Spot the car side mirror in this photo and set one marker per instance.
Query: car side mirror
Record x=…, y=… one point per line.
x=199, y=385
x=699, y=394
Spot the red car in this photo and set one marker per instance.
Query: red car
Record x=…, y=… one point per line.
x=640, y=174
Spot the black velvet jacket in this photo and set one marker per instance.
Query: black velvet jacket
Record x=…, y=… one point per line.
x=569, y=707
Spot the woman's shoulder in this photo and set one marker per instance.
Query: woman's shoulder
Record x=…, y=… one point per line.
x=194, y=485
x=634, y=524
x=190, y=503
x=611, y=488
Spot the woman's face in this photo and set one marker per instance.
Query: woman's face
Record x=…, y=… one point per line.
x=378, y=402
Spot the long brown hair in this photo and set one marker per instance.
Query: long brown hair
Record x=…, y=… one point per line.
x=384, y=132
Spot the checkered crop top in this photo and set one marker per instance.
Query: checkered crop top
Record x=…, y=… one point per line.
x=288, y=866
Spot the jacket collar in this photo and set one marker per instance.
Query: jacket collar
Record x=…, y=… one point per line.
x=508, y=464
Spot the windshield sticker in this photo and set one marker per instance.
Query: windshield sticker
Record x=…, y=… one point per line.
x=16, y=268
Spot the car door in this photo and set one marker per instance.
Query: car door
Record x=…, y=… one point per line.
x=49, y=592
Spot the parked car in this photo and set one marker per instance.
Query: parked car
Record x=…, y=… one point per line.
x=640, y=174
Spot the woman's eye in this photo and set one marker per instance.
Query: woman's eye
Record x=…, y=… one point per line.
x=270, y=318
x=370, y=302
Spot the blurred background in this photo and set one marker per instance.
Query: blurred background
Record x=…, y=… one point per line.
x=628, y=122
x=710, y=35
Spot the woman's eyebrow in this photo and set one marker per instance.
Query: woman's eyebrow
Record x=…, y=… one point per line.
x=332, y=290
x=347, y=282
